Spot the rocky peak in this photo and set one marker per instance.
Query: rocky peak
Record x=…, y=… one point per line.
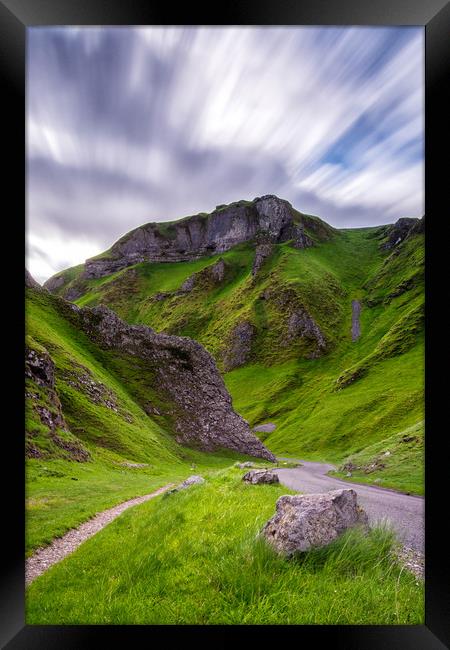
x=204, y=234
x=397, y=232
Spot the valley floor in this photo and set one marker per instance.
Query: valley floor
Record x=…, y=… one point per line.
x=194, y=557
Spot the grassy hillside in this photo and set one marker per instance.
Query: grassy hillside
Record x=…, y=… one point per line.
x=86, y=464
x=193, y=558
x=326, y=404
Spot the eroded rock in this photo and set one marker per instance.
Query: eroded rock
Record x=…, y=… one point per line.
x=397, y=232
x=239, y=346
x=192, y=480
x=306, y=521
x=257, y=476
x=40, y=371
x=265, y=428
x=185, y=375
x=200, y=235
x=262, y=252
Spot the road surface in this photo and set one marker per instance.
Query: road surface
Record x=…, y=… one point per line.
x=406, y=513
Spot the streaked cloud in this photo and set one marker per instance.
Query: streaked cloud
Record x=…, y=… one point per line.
x=130, y=125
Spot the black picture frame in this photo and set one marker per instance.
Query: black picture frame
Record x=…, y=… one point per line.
x=434, y=15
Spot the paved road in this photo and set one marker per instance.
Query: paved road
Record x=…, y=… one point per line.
x=406, y=513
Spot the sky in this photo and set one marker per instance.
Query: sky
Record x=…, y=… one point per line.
x=127, y=125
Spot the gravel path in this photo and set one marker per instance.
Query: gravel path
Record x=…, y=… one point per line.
x=356, y=310
x=45, y=557
x=404, y=512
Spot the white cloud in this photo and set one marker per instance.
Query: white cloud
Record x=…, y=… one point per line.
x=262, y=107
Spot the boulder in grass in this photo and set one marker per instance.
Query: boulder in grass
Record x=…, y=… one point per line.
x=308, y=521
x=192, y=480
x=247, y=463
x=257, y=476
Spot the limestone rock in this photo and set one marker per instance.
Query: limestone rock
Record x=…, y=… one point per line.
x=40, y=371
x=398, y=231
x=199, y=235
x=30, y=281
x=300, y=324
x=262, y=252
x=213, y=274
x=239, y=346
x=265, y=428
x=257, y=476
x=306, y=521
x=184, y=374
x=245, y=465
x=192, y=480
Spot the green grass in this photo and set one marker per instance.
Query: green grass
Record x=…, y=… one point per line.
x=193, y=558
x=62, y=493
x=359, y=392
x=394, y=462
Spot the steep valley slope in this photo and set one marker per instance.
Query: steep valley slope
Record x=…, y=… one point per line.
x=114, y=410
x=268, y=291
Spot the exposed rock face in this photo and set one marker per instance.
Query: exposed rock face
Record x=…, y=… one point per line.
x=202, y=235
x=300, y=324
x=213, y=274
x=305, y=521
x=185, y=373
x=301, y=239
x=258, y=476
x=400, y=230
x=40, y=370
x=80, y=378
x=239, y=346
x=262, y=252
x=30, y=281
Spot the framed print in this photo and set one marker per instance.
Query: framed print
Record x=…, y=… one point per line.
x=232, y=324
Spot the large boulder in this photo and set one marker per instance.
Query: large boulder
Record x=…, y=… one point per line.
x=305, y=521
x=257, y=476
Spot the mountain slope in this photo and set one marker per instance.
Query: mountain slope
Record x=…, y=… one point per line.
x=277, y=317
x=170, y=380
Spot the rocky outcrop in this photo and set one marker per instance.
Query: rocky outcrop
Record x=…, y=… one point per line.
x=396, y=233
x=41, y=391
x=301, y=239
x=30, y=282
x=301, y=325
x=306, y=521
x=262, y=252
x=298, y=323
x=239, y=346
x=185, y=376
x=194, y=237
x=80, y=378
x=260, y=476
x=211, y=275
